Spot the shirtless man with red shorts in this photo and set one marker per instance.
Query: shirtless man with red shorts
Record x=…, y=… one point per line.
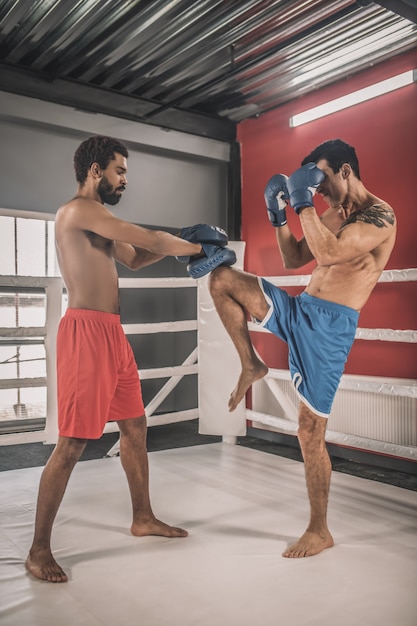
x=97, y=374
x=351, y=243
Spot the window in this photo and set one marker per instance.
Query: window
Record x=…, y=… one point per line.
x=27, y=249
x=28, y=246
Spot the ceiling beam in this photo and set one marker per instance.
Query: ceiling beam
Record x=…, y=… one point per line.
x=405, y=8
x=97, y=100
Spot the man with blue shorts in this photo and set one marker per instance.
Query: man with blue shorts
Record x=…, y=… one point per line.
x=351, y=243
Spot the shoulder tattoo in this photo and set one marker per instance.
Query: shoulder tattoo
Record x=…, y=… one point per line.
x=380, y=215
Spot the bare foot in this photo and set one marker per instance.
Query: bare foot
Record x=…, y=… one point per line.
x=309, y=545
x=42, y=565
x=156, y=527
x=246, y=379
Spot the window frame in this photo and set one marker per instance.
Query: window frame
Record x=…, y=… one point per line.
x=53, y=288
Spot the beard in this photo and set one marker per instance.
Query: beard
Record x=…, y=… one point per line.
x=108, y=193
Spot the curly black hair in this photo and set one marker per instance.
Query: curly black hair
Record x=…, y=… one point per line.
x=336, y=152
x=97, y=149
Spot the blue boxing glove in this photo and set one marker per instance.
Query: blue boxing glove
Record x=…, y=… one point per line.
x=276, y=199
x=302, y=185
x=203, y=233
x=215, y=256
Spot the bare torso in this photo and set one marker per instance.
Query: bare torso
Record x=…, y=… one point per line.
x=87, y=265
x=90, y=239
x=352, y=282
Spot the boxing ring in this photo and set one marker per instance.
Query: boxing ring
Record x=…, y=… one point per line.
x=242, y=508
x=214, y=347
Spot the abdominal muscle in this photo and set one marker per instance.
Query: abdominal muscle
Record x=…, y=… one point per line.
x=349, y=284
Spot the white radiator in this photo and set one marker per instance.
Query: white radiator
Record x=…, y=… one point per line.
x=384, y=420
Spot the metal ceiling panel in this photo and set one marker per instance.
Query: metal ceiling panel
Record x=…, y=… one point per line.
x=196, y=66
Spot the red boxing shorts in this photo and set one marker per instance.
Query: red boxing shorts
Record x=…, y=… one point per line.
x=98, y=379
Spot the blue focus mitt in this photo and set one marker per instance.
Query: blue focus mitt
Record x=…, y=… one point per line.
x=215, y=256
x=203, y=233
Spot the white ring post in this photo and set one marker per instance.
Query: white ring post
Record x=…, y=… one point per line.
x=53, y=316
x=218, y=366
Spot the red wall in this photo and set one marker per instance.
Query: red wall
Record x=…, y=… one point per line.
x=384, y=134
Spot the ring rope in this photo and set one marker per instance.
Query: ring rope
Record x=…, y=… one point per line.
x=406, y=388
x=387, y=276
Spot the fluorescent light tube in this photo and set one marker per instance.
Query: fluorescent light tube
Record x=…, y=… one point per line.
x=385, y=86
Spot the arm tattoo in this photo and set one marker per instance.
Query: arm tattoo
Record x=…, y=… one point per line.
x=378, y=215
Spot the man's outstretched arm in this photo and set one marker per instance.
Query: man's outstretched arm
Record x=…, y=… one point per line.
x=135, y=258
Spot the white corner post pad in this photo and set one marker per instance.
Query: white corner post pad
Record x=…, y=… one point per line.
x=53, y=316
x=218, y=366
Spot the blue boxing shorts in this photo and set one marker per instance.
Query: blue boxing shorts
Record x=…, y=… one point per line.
x=319, y=335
